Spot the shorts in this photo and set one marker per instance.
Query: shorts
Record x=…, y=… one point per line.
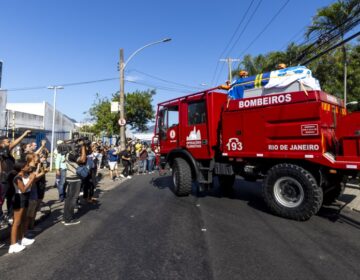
x=112, y=165
x=21, y=200
x=31, y=212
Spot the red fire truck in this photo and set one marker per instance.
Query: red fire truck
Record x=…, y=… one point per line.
x=302, y=144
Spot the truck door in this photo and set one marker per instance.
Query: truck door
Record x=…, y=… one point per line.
x=168, y=125
x=196, y=130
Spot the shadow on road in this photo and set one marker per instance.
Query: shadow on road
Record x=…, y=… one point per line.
x=242, y=190
x=251, y=193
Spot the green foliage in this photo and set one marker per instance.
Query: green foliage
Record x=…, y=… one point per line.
x=138, y=108
x=333, y=16
x=105, y=121
x=138, y=112
x=265, y=63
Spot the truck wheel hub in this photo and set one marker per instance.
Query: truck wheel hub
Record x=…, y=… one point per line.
x=288, y=192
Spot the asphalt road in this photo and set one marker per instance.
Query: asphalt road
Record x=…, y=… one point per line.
x=142, y=231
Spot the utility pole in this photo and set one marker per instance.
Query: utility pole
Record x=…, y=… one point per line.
x=122, y=100
x=13, y=130
x=229, y=61
x=122, y=121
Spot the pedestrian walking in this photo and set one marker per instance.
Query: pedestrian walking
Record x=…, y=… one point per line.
x=126, y=161
x=143, y=160
x=113, y=160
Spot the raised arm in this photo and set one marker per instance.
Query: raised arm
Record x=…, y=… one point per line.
x=18, y=140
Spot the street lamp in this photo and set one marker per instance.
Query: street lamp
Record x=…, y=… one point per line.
x=55, y=88
x=122, y=85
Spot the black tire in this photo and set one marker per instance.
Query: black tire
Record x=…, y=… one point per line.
x=181, y=174
x=292, y=192
x=226, y=183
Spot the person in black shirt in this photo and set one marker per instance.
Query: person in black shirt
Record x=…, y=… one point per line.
x=126, y=161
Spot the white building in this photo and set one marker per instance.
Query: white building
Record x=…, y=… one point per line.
x=2, y=109
x=37, y=116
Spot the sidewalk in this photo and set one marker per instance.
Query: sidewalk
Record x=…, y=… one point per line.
x=51, y=204
x=351, y=197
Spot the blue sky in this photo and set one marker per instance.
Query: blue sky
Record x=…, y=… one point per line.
x=46, y=42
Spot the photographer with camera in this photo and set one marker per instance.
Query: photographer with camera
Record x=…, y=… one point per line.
x=7, y=162
x=75, y=160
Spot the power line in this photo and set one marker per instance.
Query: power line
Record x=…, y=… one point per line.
x=246, y=25
x=266, y=27
x=324, y=39
x=333, y=47
x=63, y=84
x=98, y=81
x=242, y=32
x=166, y=81
x=232, y=37
x=158, y=87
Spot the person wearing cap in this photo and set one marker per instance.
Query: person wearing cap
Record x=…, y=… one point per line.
x=60, y=167
x=232, y=90
x=243, y=74
x=281, y=66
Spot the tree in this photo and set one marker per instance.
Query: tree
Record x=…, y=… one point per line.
x=138, y=112
x=265, y=63
x=331, y=18
x=105, y=121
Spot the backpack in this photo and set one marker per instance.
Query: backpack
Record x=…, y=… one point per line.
x=82, y=171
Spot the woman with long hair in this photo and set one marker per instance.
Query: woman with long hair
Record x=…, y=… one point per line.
x=22, y=183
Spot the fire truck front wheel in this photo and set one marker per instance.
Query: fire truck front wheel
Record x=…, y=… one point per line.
x=181, y=173
x=291, y=191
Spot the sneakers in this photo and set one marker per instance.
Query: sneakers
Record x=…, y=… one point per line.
x=72, y=222
x=27, y=241
x=16, y=248
x=122, y=176
x=129, y=177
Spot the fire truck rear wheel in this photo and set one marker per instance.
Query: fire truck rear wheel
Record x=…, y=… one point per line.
x=181, y=173
x=292, y=192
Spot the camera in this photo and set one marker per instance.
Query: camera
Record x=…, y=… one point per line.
x=73, y=148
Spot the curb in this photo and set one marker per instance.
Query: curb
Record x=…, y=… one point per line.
x=350, y=215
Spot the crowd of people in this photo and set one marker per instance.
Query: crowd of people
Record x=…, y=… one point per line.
x=77, y=163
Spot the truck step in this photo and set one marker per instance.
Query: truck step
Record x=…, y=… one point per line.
x=204, y=168
x=204, y=182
